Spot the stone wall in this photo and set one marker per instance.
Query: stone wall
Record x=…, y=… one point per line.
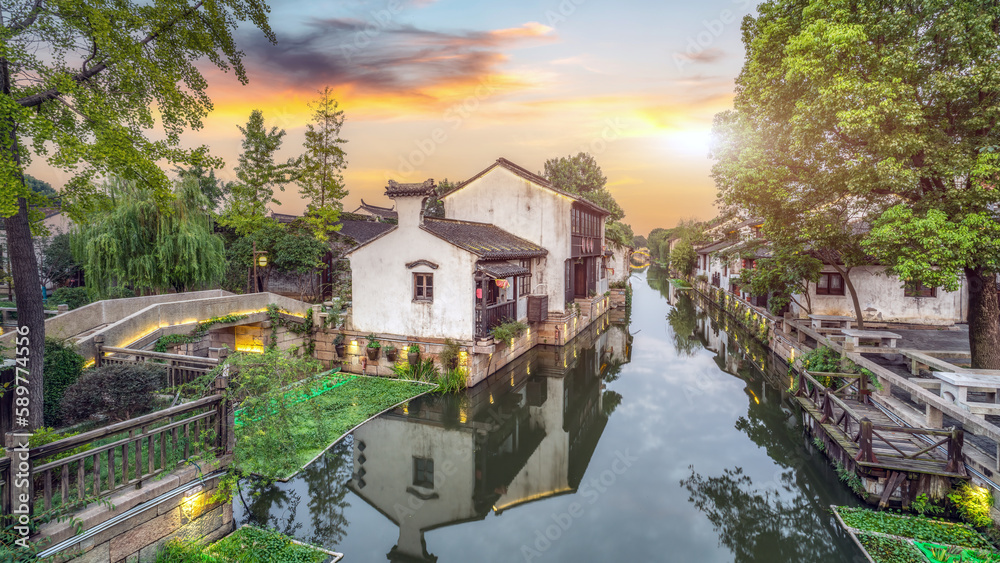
x=189, y=515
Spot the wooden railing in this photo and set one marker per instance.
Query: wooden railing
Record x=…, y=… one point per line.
x=863, y=432
x=4, y=485
x=128, y=453
x=493, y=315
x=181, y=369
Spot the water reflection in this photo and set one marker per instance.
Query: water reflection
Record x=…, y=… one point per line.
x=527, y=435
x=776, y=519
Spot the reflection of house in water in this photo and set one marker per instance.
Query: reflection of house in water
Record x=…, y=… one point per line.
x=526, y=434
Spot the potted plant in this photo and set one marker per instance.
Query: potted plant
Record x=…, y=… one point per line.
x=413, y=354
x=373, y=347
x=391, y=353
x=338, y=344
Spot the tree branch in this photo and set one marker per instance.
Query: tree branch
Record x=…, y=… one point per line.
x=52, y=93
x=28, y=19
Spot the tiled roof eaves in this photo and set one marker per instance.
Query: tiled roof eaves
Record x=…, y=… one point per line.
x=371, y=240
x=531, y=177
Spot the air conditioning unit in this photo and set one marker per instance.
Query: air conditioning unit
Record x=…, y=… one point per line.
x=538, y=308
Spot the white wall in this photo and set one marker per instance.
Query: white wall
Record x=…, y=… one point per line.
x=382, y=286
x=527, y=210
x=882, y=300
x=390, y=445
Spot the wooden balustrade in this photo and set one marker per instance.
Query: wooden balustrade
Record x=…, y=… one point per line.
x=127, y=453
x=493, y=315
x=867, y=435
x=4, y=485
x=181, y=369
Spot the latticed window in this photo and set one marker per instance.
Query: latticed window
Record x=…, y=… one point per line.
x=919, y=290
x=830, y=284
x=423, y=287
x=423, y=472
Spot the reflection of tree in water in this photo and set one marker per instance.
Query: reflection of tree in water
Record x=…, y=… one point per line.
x=759, y=525
x=269, y=506
x=786, y=520
x=610, y=402
x=683, y=319
x=327, y=480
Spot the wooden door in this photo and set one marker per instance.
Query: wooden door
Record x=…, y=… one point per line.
x=580, y=275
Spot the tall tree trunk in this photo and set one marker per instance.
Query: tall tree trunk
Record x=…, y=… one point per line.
x=30, y=314
x=845, y=273
x=984, y=319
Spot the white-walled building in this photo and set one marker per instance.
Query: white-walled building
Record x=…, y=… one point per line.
x=507, y=234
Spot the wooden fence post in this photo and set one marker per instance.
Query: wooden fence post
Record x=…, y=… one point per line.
x=226, y=423
x=99, y=344
x=865, y=452
x=955, y=444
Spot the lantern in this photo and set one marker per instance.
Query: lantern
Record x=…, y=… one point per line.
x=262, y=260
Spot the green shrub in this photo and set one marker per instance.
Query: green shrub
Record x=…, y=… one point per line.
x=257, y=545
x=413, y=349
x=373, y=341
x=424, y=371
x=61, y=368
x=449, y=355
x=164, y=343
x=119, y=392
x=178, y=551
x=120, y=293
x=973, y=504
x=44, y=436
x=506, y=332
x=916, y=527
x=452, y=381
x=74, y=297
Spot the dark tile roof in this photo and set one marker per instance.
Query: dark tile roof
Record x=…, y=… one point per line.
x=362, y=231
x=395, y=189
x=532, y=177
x=383, y=212
x=283, y=217
x=501, y=270
x=715, y=246
x=482, y=239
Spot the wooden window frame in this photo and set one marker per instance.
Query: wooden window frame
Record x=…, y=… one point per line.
x=422, y=469
x=829, y=284
x=919, y=291
x=421, y=287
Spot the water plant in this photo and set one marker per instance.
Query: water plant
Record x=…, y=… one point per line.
x=916, y=527
x=973, y=504
x=507, y=331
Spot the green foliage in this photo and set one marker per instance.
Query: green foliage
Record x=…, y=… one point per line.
x=118, y=392
x=257, y=175
x=784, y=273
x=449, y=354
x=922, y=505
x=321, y=182
x=413, y=349
x=849, y=478
x=58, y=264
x=203, y=326
x=40, y=187
x=87, y=81
x=44, y=436
x=945, y=554
x=889, y=550
x=973, y=504
x=62, y=368
x=639, y=241
x=181, y=551
x=425, y=370
x=165, y=343
x=683, y=258
x=916, y=527
x=211, y=187
x=507, y=331
x=581, y=175
x=143, y=242
x=619, y=233
x=74, y=297
x=289, y=414
x=932, y=248
x=373, y=341
x=256, y=545
x=452, y=381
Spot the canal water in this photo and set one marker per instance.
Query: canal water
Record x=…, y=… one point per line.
x=663, y=436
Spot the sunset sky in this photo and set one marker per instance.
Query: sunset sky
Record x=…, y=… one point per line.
x=634, y=83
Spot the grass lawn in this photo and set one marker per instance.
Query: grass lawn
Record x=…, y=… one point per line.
x=246, y=545
x=323, y=419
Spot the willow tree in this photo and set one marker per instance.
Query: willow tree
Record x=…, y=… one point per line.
x=81, y=82
x=147, y=245
x=321, y=181
x=891, y=109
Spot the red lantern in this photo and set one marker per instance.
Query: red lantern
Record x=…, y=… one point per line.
x=479, y=293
